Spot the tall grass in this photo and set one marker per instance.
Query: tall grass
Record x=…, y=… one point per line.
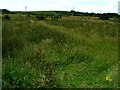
x=69, y=52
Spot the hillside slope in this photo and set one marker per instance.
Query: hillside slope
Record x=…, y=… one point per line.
x=70, y=52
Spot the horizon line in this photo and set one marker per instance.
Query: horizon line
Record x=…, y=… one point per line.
x=56, y=10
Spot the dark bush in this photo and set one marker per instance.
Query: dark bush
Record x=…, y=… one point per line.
x=40, y=17
x=60, y=16
x=28, y=15
x=5, y=11
x=6, y=17
x=12, y=12
x=104, y=17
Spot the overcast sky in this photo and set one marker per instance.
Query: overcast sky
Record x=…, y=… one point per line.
x=97, y=6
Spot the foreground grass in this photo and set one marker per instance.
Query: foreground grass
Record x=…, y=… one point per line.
x=70, y=52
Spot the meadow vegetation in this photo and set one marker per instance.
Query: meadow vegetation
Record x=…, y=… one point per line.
x=71, y=52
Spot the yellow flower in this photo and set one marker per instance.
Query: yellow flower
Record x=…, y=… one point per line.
x=108, y=78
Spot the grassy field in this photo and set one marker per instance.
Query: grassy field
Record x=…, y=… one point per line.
x=71, y=52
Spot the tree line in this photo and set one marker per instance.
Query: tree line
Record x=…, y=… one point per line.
x=58, y=14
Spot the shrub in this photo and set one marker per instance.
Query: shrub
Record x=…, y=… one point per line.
x=28, y=15
x=60, y=16
x=104, y=17
x=12, y=12
x=40, y=17
x=6, y=17
x=5, y=11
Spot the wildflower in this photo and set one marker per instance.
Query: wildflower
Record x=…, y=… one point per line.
x=108, y=78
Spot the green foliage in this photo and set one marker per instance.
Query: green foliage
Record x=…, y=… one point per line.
x=6, y=17
x=68, y=52
x=11, y=41
x=44, y=15
x=28, y=15
x=5, y=11
x=45, y=33
x=40, y=17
